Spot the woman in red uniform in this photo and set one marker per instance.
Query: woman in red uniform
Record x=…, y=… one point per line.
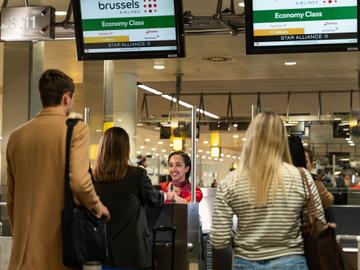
x=179, y=189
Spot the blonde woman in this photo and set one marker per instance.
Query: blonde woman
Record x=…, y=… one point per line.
x=266, y=194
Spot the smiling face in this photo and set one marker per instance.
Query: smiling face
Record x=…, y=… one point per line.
x=177, y=168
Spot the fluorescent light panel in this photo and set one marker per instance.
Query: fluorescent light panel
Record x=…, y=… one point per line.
x=170, y=98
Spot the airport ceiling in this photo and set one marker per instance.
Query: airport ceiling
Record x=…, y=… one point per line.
x=232, y=69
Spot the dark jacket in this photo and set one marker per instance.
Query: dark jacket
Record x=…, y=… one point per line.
x=127, y=230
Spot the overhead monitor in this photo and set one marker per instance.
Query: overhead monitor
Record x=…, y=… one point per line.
x=286, y=26
x=128, y=29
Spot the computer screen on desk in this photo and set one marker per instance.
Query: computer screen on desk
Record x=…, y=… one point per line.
x=285, y=26
x=128, y=29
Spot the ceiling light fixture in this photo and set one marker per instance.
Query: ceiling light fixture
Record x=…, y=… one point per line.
x=159, y=66
x=60, y=13
x=290, y=63
x=241, y=4
x=170, y=98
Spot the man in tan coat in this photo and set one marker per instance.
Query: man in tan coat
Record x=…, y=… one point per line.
x=36, y=167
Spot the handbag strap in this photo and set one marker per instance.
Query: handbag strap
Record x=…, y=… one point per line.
x=68, y=195
x=309, y=201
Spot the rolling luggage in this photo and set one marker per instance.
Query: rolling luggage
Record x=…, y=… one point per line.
x=155, y=242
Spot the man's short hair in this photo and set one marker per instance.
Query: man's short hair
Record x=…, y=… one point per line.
x=53, y=85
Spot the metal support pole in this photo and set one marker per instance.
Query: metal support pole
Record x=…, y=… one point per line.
x=358, y=245
x=178, y=89
x=253, y=112
x=319, y=108
x=351, y=100
x=193, y=154
x=87, y=115
x=288, y=106
x=218, y=8
x=333, y=168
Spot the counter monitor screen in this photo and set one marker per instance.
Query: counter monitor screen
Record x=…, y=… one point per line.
x=128, y=29
x=285, y=26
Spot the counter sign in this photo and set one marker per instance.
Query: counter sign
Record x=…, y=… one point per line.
x=27, y=23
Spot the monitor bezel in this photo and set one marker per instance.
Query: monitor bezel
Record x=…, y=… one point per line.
x=251, y=49
x=83, y=56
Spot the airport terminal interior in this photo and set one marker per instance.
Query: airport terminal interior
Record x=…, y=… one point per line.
x=317, y=94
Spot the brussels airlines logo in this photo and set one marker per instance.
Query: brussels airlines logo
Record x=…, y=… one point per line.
x=150, y=6
x=119, y=5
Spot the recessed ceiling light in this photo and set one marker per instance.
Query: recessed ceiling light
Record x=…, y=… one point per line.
x=147, y=140
x=241, y=4
x=60, y=13
x=142, y=147
x=235, y=136
x=290, y=63
x=205, y=142
x=160, y=142
x=159, y=66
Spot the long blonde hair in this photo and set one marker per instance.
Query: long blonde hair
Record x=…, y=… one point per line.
x=265, y=148
x=113, y=156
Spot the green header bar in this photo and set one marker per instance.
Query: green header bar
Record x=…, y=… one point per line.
x=310, y=14
x=128, y=23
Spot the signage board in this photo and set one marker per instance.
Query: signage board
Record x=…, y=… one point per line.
x=27, y=23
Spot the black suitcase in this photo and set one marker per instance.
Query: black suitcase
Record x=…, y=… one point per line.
x=154, y=242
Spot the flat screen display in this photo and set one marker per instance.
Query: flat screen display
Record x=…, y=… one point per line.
x=284, y=26
x=128, y=29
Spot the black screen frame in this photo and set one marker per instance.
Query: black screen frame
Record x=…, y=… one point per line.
x=251, y=49
x=83, y=56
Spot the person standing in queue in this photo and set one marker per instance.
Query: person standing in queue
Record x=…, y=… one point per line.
x=179, y=189
x=126, y=190
x=35, y=177
x=267, y=194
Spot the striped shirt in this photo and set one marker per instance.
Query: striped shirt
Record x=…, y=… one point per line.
x=263, y=232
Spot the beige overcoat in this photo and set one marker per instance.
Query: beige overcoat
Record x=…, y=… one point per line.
x=36, y=164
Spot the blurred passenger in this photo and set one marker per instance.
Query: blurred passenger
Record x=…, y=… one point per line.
x=179, y=188
x=141, y=161
x=326, y=197
x=214, y=184
x=326, y=180
x=126, y=190
x=340, y=182
x=267, y=195
x=347, y=180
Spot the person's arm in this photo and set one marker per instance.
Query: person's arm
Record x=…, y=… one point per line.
x=80, y=178
x=10, y=191
x=149, y=194
x=327, y=199
x=317, y=201
x=220, y=235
